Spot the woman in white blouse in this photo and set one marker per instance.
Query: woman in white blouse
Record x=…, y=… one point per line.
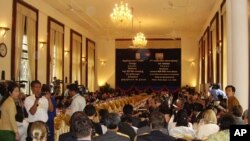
x=208, y=125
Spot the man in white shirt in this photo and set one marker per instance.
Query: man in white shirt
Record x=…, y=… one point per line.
x=37, y=106
x=78, y=102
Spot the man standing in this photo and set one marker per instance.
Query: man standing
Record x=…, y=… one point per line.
x=37, y=106
x=232, y=100
x=78, y=102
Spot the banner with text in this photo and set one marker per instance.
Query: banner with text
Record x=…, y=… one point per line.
x=148, y=69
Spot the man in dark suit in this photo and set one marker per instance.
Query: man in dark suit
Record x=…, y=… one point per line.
x=90, y=111
x=197, y=113
x=157, y=121
x=126, y=128
x=112, y=122
x=70, y=136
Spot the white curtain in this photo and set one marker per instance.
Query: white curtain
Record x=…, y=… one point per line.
x=31, y=18
x=31, y=38
x=59, y=55
x=76, y=58
x=20, y=22
x=56, y=51
x=91, y=66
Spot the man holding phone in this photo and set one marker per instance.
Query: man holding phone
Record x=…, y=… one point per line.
x=37, y=106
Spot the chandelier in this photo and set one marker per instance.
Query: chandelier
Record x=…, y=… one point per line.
x=121, y=13
x=140, y=40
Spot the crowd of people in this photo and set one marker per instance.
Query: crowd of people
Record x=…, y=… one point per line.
x=185, y=115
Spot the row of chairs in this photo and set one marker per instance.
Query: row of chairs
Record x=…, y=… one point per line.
x=117, y=104
x=61, y=121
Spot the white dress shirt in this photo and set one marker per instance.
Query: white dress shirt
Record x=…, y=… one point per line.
x=42, y=108
x=182, y=132
x=78, y=104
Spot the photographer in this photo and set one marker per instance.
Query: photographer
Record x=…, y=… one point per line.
x=216, y=93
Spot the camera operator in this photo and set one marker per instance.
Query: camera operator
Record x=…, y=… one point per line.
x=217, y=93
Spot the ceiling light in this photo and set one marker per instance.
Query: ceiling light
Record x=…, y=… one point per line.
x=121, y=13
x=140, y=40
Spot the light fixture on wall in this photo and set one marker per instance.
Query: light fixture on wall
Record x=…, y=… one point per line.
x=42, y=44
x=3, y=31
x=66, y=52
x=103, y=62
x=84, y=60
x=121, y=13
x=140, y=40
x=219, y=46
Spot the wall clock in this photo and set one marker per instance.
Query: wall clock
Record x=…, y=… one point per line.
x=3, y=49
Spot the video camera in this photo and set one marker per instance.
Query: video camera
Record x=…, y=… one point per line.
x=21, y=83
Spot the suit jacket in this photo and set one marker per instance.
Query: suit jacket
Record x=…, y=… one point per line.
x=126, y=129
x=8, y=113
x=112, y=136
x=67, y=137
x=154, y=135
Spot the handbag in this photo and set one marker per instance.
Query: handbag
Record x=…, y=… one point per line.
x=20, y=113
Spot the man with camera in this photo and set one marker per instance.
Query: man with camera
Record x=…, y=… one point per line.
x=37, y=106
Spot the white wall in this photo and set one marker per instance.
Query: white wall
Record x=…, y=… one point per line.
x=6, y=21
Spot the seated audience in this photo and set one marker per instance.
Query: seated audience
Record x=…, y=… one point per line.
x=197, y=113
x=102, y=115
x=245, y=117
x=70, y=135
x=182, y=129
x=223, y=134
x=157, y=121
x=208, y=125
x=128, y=110
x=39, y=131
x=112, y=122
x=82, y=128
x=90, y=111
x=237, y=114
x=125, y=127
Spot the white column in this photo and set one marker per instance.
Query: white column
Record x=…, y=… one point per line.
x=237, y=19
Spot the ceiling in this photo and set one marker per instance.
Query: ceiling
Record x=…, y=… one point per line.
x=159, y=18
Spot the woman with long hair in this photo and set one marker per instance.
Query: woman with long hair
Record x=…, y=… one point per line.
x=8, y=125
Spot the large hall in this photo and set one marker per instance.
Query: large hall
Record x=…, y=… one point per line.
x=120, y=70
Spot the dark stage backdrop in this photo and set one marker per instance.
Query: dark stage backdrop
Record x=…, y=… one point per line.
x=148, y=69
